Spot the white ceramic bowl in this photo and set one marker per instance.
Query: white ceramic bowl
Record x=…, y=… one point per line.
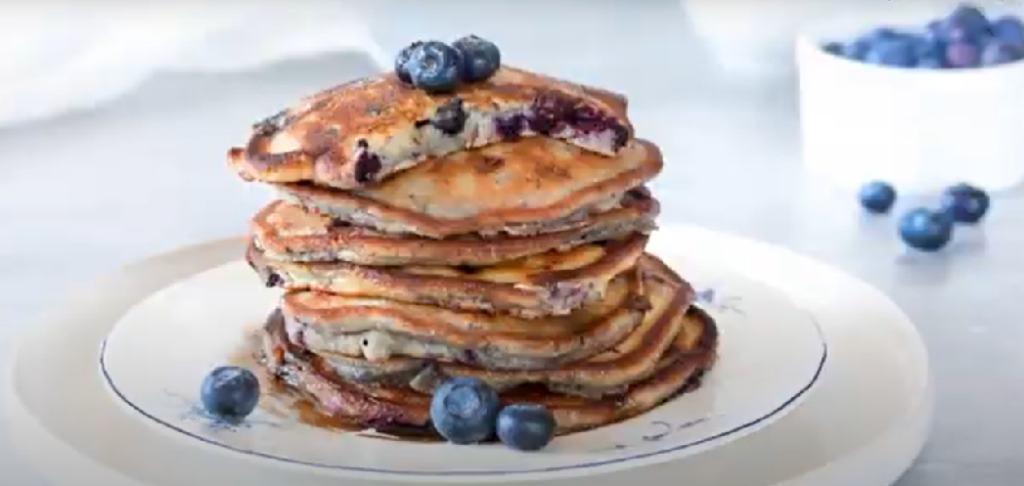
x=918, y=129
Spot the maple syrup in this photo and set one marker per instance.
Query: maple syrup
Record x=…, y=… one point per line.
x=279, y=400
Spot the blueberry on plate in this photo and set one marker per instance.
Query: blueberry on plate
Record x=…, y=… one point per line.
x=877, y=196
x=998, y=52
x=1008, y=29
x=834, y=48
x=526, y=426
x=480, y=58
x=895, y=52
x=925, y=230
x=464, y=410
x=402, y=59
x=964, y=203
x=230, y=392
x=434, y=67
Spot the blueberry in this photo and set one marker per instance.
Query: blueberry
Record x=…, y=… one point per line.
x=882, y=33
x=877, y=196
x=995, y=53
x=930, y=62
x=964, y=203
x=925, y=230
x=925, y=46
x=464, y=410
x=969, y=20
x=1008, y=29
x=897, y=52
x=230, y=392
x=928, y=51
x=958, y=33
x=526, y=426
x=861, y=47
x=962, y=55
x=434, y=67
x=402, y=58
x=480, y=58
x=835, y=48
x=450, y=118
x=857, y=49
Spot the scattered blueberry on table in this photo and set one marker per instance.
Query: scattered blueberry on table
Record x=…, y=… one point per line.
x=925, y=230
x=964, y=203
x=437, y=68
x=526, y=426
x=464, y=410
x=230, y=393
x=929, y=229
x=877, y=196
x=965, y=38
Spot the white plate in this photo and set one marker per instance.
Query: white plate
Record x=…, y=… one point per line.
x=154, y=360
x=865, y=420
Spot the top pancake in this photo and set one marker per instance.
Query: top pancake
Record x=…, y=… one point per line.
x=533, y=186
x=361, y=132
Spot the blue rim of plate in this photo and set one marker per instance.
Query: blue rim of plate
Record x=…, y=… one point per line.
x=550, y=469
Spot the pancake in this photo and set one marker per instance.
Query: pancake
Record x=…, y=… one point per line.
x=404, y=411
x=551, y=283
x=378, y=329
x=533, y=186
x=609, y=372
x=287, y=232
x=362, y=132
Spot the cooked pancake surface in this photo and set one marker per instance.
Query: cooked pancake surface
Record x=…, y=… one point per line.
x=550, y=283
x=395, y=408
x=532, y=186
x=378, y=329
x=359, y=133
x=581, y=351
x=632, y=359
x=287, y=232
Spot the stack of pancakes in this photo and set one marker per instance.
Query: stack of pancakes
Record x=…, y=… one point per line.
x=510, y=249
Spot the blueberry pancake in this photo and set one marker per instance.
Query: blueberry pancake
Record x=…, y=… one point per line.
x=378, y=329
x=550, y=283
x=361, y=132
x=403, y=411
x=287, y=232
x=537, y=185
x=608, y=372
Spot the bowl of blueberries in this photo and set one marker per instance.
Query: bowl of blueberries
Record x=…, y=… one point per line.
x=923, y=101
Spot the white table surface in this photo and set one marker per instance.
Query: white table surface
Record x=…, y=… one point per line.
x=84, y=194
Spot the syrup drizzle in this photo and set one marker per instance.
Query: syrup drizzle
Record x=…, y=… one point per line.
x=284, y=403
